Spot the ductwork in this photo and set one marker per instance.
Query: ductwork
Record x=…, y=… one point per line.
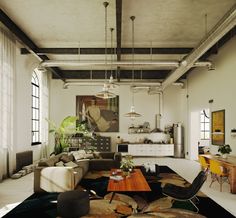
x=220, y=29
x=77, y=63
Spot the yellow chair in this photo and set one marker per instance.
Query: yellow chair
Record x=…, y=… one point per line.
x=218, y=173
x=203, y=162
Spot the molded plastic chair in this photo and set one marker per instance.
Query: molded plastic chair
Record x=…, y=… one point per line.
x=218, y=173
x=203, y=162
x=186, y=193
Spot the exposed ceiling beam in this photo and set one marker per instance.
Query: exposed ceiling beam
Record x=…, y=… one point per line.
x=214, y=49
x=124, y=74
x=219, y=30
x=25, y=40
x=101, y=51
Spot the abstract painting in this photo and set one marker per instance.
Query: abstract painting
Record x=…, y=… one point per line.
x=102, y=115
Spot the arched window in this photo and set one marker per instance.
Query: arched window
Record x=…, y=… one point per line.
x=35, y=126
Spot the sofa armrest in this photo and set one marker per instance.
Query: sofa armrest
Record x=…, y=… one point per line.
x=117, y=156
x=59, y=179
x=37, y=173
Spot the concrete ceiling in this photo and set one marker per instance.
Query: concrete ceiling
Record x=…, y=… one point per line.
x=81, y=23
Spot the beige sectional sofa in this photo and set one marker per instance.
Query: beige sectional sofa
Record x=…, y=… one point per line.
x=63, y=173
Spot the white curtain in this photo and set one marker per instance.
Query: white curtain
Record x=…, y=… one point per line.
x=44, y=102
x=7, y=76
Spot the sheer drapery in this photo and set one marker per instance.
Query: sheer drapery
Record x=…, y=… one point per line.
x=7, y=75
x=44, y=102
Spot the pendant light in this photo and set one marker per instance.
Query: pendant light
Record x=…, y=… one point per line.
x=112, y=84
x=105, y=94
x=132, y=114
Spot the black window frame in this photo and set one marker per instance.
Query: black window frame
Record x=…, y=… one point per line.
x=35, y=109
x=206, y=120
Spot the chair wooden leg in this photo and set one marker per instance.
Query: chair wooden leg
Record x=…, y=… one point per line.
x=213, y=179
x=221, y=182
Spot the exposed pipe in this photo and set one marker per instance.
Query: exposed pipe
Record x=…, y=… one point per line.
x=76, y=63
x=218, y=31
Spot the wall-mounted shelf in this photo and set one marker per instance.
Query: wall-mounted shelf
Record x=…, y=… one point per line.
x=217, y=133
x=233, y=132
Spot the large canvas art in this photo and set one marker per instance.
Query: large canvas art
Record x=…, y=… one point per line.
x=102, y=115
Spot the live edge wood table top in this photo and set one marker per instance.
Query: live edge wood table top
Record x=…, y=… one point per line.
x=135, y=182
x=230, y=164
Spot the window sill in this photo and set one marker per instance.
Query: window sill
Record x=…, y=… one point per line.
x=36, y=143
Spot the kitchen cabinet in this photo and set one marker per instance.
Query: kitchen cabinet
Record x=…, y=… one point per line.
x=146, y=149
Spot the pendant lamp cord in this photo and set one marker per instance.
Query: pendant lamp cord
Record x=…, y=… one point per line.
x=105, y=5
x=111, y=49
x=205, y=24
x=132, y=19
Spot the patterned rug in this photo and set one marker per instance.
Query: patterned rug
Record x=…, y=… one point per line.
x=134, y=204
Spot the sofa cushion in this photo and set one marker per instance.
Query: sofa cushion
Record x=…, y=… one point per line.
x=59, y=164
x=49, y=163
x=101, y=164
x=84, y=164
x=70, y=164
x=66, y=158
x=79, y=154
x=97, y=155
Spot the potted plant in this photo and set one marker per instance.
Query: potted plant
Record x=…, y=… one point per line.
x=69, y=127
x=127, y=165
x=224, y=150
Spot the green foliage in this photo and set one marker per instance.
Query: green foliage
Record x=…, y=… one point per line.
x=127, y=163
x=69, y=127
x=224, y=149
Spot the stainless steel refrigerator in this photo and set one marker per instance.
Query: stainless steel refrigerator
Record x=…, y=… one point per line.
x=178, y=133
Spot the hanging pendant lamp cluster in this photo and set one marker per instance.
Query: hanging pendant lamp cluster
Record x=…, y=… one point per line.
x=105, y=93
x=132, y=114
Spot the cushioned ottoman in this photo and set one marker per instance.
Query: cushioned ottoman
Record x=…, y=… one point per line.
x=73, y=204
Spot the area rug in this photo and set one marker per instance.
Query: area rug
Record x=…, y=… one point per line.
x=131, y=205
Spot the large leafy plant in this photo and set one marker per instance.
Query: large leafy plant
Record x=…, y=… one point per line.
x=69, y=127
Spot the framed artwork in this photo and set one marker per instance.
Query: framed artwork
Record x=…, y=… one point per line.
x=102, y=115
x=218, y=127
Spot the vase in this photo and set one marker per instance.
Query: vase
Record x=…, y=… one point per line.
x=126, y=173
x=224, y=155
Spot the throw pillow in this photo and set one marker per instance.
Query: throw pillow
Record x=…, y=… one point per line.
x=66, y=158
x=97, y=155
x=70, y=164
x=79, y=154
x=60, y=164
x=16, y=176
x=88, y=156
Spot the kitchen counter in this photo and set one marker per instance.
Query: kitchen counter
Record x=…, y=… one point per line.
x=140, y=149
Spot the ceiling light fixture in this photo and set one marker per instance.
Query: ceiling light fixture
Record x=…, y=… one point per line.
x=105, y=94
x=132, y=114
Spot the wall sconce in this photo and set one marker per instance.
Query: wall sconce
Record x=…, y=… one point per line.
x=233, y=132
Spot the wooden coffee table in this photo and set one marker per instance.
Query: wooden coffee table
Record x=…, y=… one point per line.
x=134, y=183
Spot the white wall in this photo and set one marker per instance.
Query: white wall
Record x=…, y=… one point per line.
x=22, y=137
x=63, y=103
x=218, y=85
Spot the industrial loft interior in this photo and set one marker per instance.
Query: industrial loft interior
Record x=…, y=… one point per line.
x=111, y=92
